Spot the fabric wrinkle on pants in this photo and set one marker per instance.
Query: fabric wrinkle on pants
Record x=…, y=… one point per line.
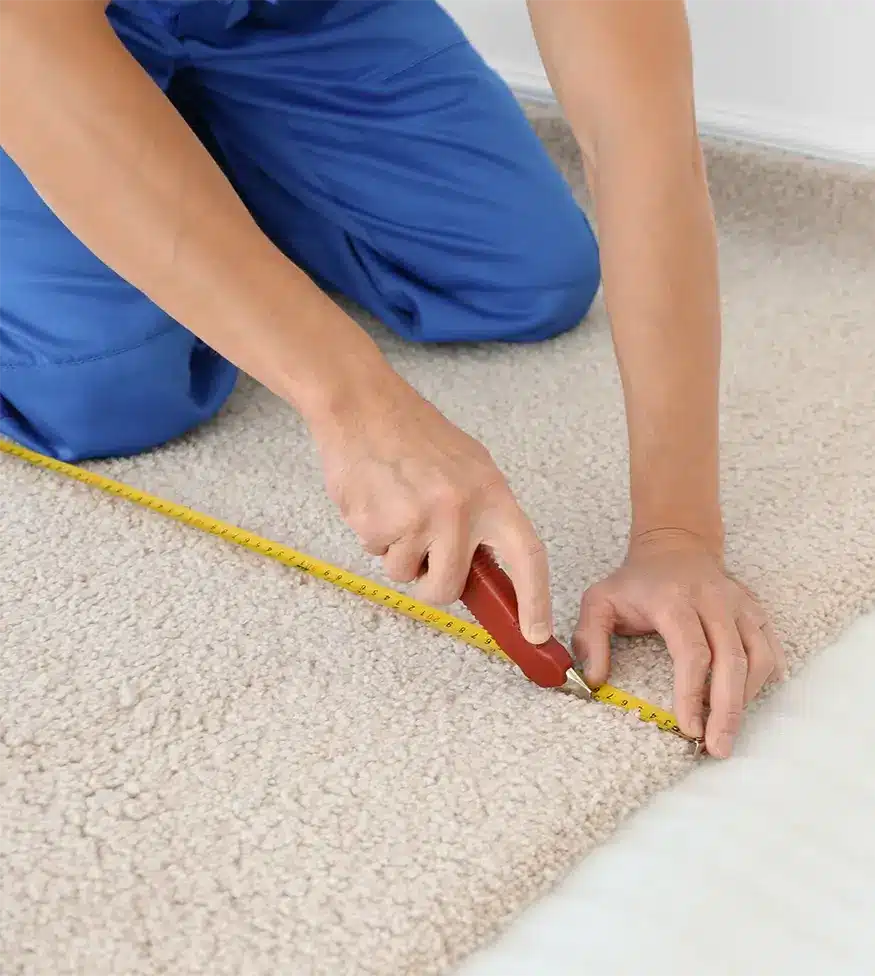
x=370, y=142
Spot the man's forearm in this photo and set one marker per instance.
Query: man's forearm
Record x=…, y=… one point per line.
x=659, y=266
x=636, y=127
x=115, y=161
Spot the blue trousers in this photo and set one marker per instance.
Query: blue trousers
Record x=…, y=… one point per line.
x=370, y=142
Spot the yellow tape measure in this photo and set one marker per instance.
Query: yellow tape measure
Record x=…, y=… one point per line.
x=461, y=629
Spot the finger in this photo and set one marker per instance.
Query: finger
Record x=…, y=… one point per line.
x=403, y=560
x=760, y=656
x=729, y=672
x=780, y=654
x=681, y=629
x=526, y=558
x=378, y=534
x=448, y=565
x=592, y=638
x=759, y=619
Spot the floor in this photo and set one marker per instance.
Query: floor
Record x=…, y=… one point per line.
x=211, y=765
x=762, y=865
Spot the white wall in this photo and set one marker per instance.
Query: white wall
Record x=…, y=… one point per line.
x=794, y=73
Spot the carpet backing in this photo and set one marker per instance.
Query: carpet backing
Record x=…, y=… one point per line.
x=213, y=765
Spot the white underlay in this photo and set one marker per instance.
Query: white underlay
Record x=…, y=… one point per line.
x=761, y=866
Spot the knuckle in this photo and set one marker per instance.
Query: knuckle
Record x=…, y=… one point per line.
x=753, y=618
x=745, y=592
x=442, y=591
x=338, y=492
x=699, y=654
x=738, y=663
x=367, y=531
x=451, y=499
x=678, y=594
x=399, y=570
x=366, y=524
x=409, y=519
x=711, y=593
x=594, y=598
x=731, y=720
x=691, y=702
x=372, y=545
x=483, y=457
x=597, y=591
x=533, y=548
x=493, y=488
x=759, y=675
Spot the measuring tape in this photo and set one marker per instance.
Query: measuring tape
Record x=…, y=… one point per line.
x=470, y=633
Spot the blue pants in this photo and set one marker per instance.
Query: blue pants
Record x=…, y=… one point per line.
x=370, y=142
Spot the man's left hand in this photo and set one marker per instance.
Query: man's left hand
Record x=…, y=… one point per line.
x=672, y=584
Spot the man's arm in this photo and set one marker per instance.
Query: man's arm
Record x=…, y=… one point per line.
x=115, y=161
x=622, y=72
x=111, y=156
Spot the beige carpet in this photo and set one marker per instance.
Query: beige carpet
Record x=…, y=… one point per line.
x=212, y=765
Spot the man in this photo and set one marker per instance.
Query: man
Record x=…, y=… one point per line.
x=182, y=182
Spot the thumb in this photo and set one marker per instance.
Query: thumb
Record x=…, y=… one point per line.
x=529, y=572
x=592, y=640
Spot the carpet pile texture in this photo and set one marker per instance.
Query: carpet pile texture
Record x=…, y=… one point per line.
x=213, y=765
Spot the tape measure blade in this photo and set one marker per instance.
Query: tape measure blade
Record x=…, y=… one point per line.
x=460, y=629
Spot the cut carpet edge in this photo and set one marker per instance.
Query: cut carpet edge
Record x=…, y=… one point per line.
x=544, y=883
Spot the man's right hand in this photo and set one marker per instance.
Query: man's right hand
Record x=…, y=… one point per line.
x=422, y=494
x=408, y=482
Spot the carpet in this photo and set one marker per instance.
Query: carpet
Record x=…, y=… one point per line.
x=776, y=847
x=210, y=764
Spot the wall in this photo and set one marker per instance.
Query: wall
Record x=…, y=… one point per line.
x=793, y=73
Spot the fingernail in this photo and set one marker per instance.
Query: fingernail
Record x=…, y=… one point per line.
x=697, y=727
x=539, y=633
x=724, y=745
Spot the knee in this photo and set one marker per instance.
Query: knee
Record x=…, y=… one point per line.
x=116, y=405
x=537, y=284
x=562, y=257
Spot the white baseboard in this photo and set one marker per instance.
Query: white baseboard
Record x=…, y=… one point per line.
x=818, y=137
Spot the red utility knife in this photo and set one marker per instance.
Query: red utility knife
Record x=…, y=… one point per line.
x=489, y=595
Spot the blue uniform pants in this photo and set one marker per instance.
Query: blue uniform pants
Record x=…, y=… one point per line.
x=370, y=142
